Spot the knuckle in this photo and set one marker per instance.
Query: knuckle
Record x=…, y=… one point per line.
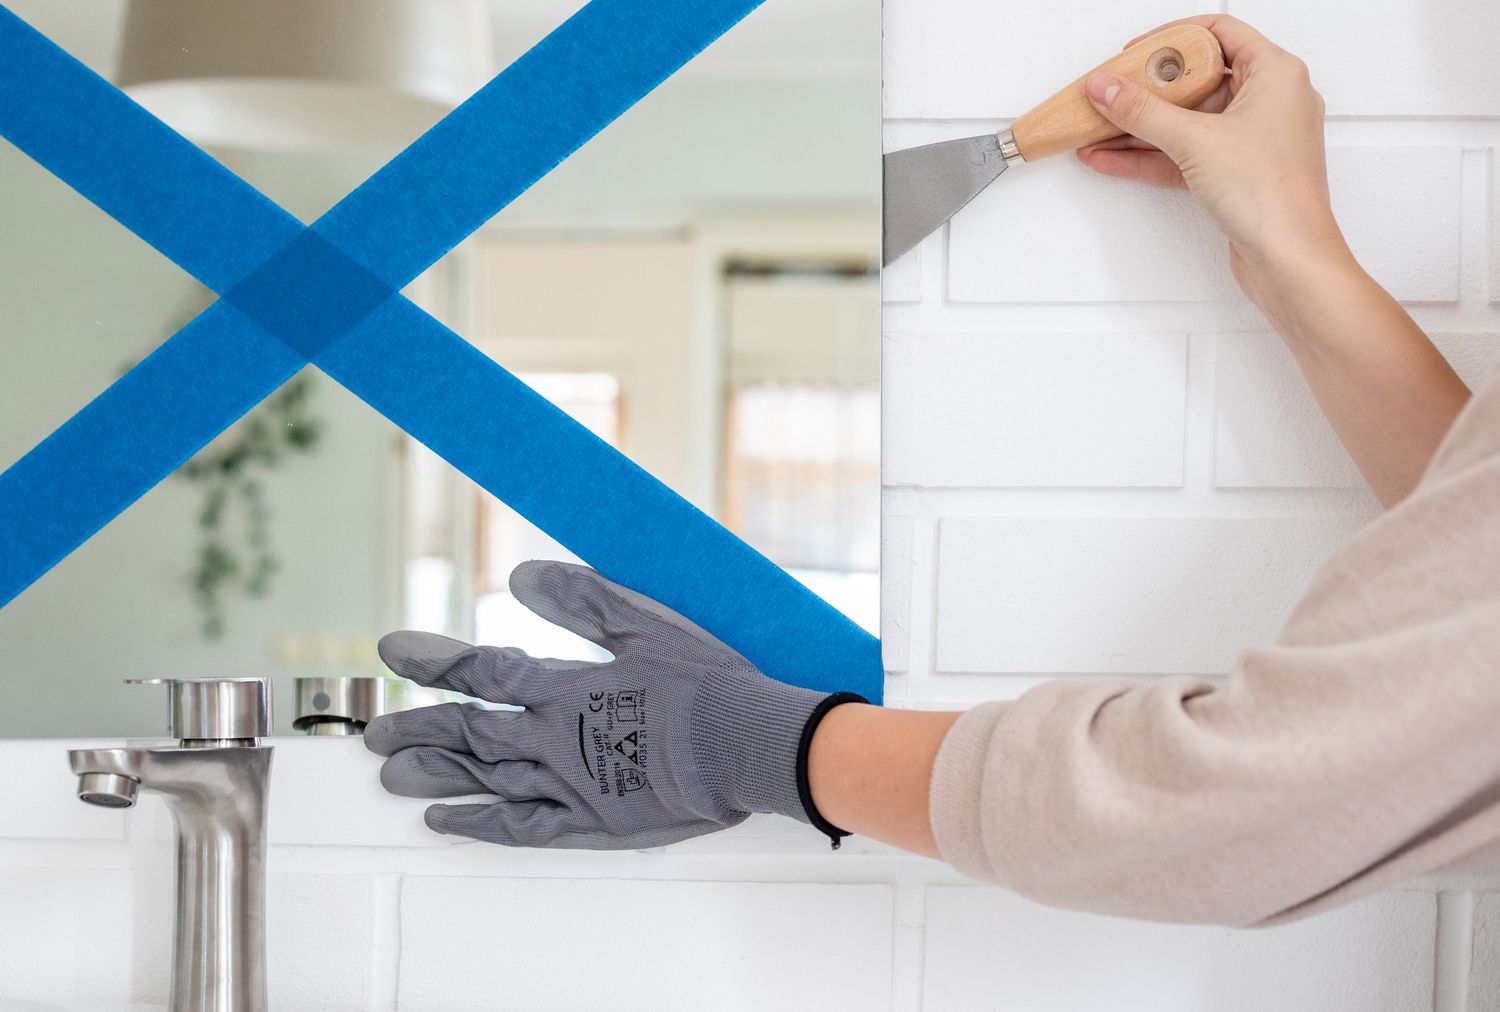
x=476, y=736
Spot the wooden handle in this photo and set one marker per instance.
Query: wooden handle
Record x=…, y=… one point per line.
x=1183, y=64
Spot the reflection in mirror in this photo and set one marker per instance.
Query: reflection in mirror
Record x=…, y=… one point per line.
x=697, y=286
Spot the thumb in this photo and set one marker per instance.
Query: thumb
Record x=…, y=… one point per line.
x=1141, y=114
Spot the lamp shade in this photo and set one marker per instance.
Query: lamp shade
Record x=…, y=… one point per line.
x=300, y=74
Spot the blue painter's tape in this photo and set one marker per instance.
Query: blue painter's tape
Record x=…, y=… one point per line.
x=616, y=516
x=309, y=294
x=326, y=295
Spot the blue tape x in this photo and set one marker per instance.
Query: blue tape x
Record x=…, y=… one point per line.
x=329, y=294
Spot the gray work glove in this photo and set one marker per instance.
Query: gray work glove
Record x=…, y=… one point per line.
x=675, y=737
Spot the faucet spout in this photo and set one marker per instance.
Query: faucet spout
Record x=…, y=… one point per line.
x=218, y=799
x=216, y=781
x=107, y=777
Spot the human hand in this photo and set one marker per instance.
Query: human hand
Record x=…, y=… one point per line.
x=1252, y=154
x=675, y=737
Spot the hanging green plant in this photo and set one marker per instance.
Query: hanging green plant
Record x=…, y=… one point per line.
x=236, y=553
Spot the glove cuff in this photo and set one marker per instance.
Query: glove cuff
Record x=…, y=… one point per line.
x=752, y=745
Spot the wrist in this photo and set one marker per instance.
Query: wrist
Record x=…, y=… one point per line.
x=804, y=753
x=1292, y=282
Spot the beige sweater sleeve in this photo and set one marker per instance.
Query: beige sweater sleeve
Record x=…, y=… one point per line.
x=1360, y=750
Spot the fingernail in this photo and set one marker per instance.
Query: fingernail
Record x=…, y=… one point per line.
x=1103, y=88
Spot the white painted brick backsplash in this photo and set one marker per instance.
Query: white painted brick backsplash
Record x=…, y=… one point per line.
x=320, y=939
x=1436, y=57
x=1399, y=209
x=973, y=59
x=1494, y=221
x=1055, y=231
x=895, y=592
x=535, y=945
x=902, y=280
x=1034, y=409
x=1269, y=432
x=1484, y=952
x=1058, y=232
x=990, y=949
x=1146, y=596
x=67, y=936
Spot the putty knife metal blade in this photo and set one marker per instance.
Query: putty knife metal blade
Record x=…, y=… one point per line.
x=925, y=186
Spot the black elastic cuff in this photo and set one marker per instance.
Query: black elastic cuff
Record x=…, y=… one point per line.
x=804, y=789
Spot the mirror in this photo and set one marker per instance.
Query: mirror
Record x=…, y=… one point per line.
x=698, y=285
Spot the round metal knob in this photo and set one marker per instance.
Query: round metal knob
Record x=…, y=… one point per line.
x=215, y=709
x=338, y=706
x=344, y=706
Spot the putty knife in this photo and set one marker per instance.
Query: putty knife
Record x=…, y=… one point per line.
x=926, y=186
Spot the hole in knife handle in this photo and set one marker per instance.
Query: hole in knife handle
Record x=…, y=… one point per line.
x=1164, y=66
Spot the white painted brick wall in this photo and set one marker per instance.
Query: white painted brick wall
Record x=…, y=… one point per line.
x=1374, y=956
x=1269, y=432
x=1110, y=467
x=685, y=946
x=1126, y=596
x=1433, y=58
x=1096, y=462
x=1057, y=232
x=1484, y=953
x=987, y=410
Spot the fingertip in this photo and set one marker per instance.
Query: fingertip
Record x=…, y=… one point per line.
x=398, y=649
x=527, y=573
x=1100, y=159
x=379, y=736
x=1109, y=163
x=422, y=657
x=395, y=773
x=436, y=818
x=387, y=647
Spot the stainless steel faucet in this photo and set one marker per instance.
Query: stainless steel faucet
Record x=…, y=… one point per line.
x=216, y=781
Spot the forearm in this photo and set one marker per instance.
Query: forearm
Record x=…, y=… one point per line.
x=1384, y=387
x=1388, y=393
x=870, y=770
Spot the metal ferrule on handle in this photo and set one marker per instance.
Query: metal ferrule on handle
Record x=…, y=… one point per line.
x=1008, y=149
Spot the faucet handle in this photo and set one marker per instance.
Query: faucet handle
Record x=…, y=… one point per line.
x=215, y=709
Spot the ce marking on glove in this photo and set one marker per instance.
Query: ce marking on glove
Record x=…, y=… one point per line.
x=612, y=741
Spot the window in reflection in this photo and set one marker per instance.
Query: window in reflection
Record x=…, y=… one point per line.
x=774, y=430
x=504, y=539
x=802, y=485
x=801, y=474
